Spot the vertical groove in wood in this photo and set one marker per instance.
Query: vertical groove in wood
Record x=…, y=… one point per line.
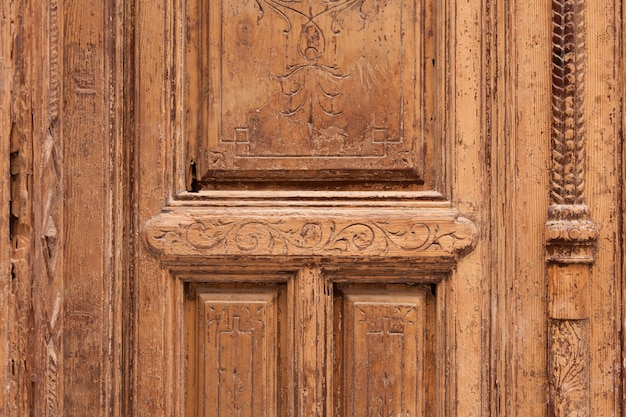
x=621, y=128
x=570, y=233
x=119, y=203
x=130, y=217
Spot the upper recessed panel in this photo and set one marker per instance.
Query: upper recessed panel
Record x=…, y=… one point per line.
x=304, y=90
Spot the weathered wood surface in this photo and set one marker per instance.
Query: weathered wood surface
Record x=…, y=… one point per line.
x=426, y=233
x=6, y=83
x=94, y=322
x=57, y=311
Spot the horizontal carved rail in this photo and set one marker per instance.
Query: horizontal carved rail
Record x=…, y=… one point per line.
x=375, y=232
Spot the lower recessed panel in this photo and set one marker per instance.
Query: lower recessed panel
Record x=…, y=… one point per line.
x=385, y=344
x=234, y=343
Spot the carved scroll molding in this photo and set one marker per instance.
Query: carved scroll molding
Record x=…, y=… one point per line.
x=415, y=233
x=570, y=233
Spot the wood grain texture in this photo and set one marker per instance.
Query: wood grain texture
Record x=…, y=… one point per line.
x=463, y=110
x=523, y=154
x=22, y=359
x=604, y=184
x=152, y=378
x=87, y=42
x=6, y=82
x=312, y=342
x=48, y=217
x=512, y=335
x=235, y=228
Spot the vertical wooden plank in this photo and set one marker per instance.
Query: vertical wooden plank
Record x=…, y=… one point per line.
x=153, y=390
x=48, y=218
x=312, y=326
x=528, y=144
x=467, y=290
x=87, y=132
x=6, y=83
x=23, y=42
x=604, y=108
x=502, y=199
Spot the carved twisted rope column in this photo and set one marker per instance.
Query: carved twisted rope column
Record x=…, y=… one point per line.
x=570, y=233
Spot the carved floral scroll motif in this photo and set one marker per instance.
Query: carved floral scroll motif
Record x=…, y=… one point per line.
x=209, y=234
x=311, y=48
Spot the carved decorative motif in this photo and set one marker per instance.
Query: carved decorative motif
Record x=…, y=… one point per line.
x=569, y=368
x=384, y=360
x=293, y=234
x=307, y=90
x=570, y=234
x=236, y=355
x=52, y=381
x=311, y=48
x=568, y=120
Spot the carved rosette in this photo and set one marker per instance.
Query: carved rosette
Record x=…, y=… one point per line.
x=570, y=233
x=414, y=233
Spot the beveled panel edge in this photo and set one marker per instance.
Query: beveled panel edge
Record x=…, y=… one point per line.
x=416, y=234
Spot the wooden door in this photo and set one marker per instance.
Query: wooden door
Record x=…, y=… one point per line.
x=300, y=264
x=311, y=208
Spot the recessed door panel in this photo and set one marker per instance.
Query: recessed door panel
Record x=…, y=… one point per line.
x=384, y=339
x=300, y=91
x=234, y=363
